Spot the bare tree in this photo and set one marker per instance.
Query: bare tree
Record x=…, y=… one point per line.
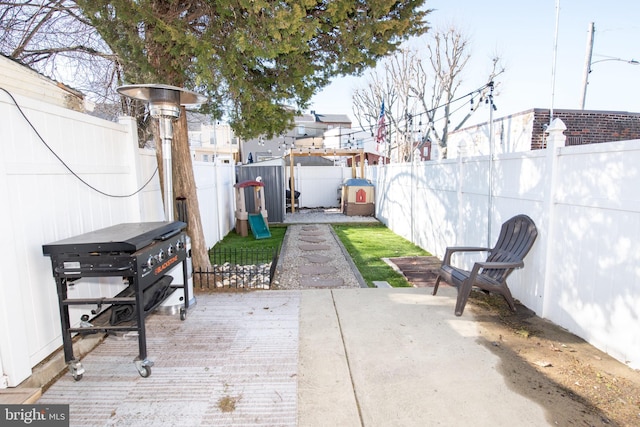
x=55, y=39
x=419, y=94
x=448, y=56
x=393, y=86
x=368, y=99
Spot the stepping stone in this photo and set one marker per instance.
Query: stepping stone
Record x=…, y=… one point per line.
x=309, y=227
x=311, y=239
x=321, y=282
x=317, y=259
x=316, y=269
x=311, y=233
x=314, y=247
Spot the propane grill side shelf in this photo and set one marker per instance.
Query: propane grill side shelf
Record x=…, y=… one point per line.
x=142, y=269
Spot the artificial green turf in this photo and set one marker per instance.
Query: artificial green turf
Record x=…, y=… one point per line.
x=368, y=244
x=235, y=241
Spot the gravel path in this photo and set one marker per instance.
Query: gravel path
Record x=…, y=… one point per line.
x=323, y=216
x=313, y=257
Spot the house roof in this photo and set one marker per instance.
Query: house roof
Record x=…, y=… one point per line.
x=304, y=118
x=24, y=80
x=309, y=160
x=195, y=120
x=333, y=118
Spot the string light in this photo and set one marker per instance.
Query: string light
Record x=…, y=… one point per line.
x=408, y=117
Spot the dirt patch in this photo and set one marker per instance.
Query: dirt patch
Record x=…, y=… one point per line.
x=576, y=383
x=228, y=403
x=420, y=271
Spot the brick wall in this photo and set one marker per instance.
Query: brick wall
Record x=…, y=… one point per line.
x=587, y=127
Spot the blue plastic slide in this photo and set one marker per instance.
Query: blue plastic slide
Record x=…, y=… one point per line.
x=258, y=226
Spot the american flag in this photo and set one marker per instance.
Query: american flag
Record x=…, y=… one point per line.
x=382, y=130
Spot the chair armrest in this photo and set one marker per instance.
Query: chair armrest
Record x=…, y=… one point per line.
x=499, y=265
x=453, y=249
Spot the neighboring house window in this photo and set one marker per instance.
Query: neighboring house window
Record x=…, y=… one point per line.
x=300, y=129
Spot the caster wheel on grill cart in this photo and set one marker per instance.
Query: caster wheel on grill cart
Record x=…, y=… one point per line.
x=145, y=371
x=183, y=314
x=76, y=370
x=144, y=367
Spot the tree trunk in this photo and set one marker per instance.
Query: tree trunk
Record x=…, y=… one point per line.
x=184, y=186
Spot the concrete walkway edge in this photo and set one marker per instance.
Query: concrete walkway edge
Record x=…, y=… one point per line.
x=325, y=390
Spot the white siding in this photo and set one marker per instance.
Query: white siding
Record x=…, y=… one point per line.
x=23, y=81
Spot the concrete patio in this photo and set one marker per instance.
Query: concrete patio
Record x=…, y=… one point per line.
x=322, y=357
x=314, y=356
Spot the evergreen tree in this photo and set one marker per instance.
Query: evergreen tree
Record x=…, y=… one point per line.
x=255, y=59
x=258, y=61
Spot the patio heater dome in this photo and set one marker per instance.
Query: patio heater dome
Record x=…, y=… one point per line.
x=164, y=100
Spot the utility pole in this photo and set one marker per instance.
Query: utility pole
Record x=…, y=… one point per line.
x=555, y=59
x=587, y=64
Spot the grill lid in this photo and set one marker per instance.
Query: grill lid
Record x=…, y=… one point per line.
x=126, y=237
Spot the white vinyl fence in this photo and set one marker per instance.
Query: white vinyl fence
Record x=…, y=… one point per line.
x=42, y=202
x=583, y=272
x=216, y=198
x=319, y=186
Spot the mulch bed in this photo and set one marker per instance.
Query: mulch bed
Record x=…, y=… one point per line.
x=420, y=271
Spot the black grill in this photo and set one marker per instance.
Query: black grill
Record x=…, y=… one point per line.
x=140, y=253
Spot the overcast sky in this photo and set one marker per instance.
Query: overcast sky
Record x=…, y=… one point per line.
x=522, y=33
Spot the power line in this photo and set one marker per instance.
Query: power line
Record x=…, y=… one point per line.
x=63, y=162
x=408, y=117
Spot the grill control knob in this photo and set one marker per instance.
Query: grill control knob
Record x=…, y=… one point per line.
x=151, y=262
x=161, y=255
x=171, y=250
x=180, y=245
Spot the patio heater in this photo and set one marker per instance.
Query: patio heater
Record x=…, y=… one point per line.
x=164, y=105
